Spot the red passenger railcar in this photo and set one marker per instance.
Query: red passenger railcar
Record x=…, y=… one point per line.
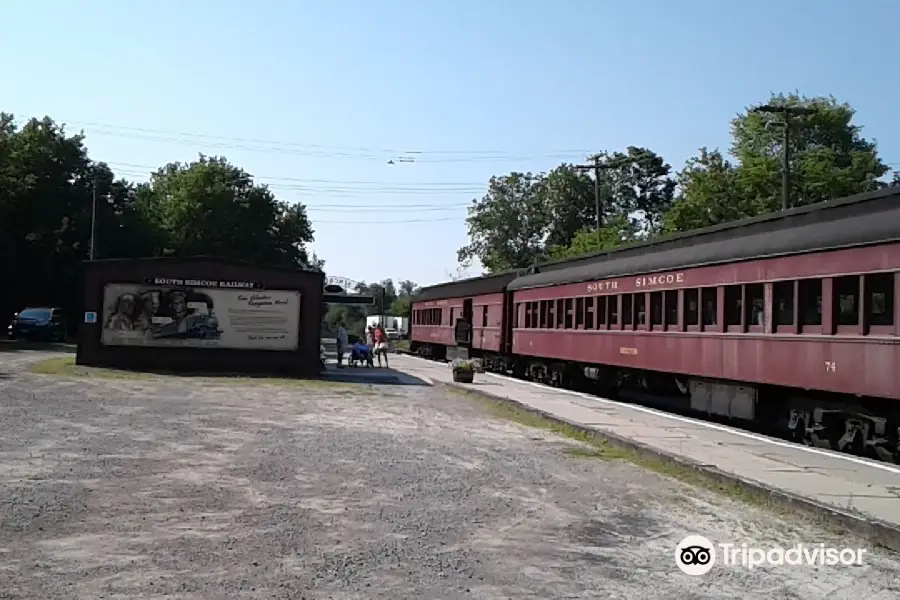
x=461, y=318
x=789, y=318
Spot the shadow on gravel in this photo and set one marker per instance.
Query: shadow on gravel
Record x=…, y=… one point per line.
x=371, y=376
x=65, y=366
x=20, y=345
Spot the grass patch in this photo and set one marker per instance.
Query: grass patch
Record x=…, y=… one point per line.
x=608, y=452
x=594, y=446
x=65, y=367
x=402, y=345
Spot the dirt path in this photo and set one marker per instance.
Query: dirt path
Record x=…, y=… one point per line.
x=186, y=488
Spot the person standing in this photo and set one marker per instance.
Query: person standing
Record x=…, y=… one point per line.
x=342, y=341
x=381, y=346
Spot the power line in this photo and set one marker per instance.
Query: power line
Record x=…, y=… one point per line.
x=317, y=150
x=369, y=222
x=153, y=169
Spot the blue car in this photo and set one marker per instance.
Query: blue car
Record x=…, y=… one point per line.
x=38, y=324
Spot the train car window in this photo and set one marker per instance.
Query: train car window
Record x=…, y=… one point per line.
x=710, y=306
x=545, y=314
x=755, y=300
x=656, y=308
x=640, y=310
x=879, y=290
x=560, y=313
x=589, y=304
x=733, y=299
x=579, y=313
x=612, y=311
x=846, y=301
x=551, y=314
x=568, y=323
x=535, y=311
x=627, y=309
x=516, y=319
x=783, y=303
x=670, y=300
x=692, y=307
x=809, y=292
x=601, y=311
x=484, y=316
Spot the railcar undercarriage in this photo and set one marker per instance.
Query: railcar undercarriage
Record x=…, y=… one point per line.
x=849, y=424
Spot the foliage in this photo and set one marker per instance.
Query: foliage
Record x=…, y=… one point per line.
x=397, y=297
x=829, y=159
x=507, y=227
x=617, y=231
x=212, y=207
x=567, y=195
x=47, y=186
x=465, y=365
x=526, y=218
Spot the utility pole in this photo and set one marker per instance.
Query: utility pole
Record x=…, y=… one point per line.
x=596, y=168
x=93, y=218
x=787, y=112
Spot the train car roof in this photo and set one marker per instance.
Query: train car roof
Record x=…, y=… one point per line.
x=862, y=219
x=463, y=288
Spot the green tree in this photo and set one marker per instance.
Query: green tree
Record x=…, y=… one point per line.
x=618, y=230
x=639, y=186
x=507, y=227
x=383, y=292
x=46, y=187
x=568, y=197
x=710, y=193
x=829, y=159
x=213, y=207
x=400, y=307
x=829, y=156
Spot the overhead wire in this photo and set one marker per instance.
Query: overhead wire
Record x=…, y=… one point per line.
x=320, y=150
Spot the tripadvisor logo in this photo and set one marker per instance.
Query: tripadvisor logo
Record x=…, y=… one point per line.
x=696, y=555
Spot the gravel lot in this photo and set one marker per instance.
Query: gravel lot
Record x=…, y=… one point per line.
x=187, y=488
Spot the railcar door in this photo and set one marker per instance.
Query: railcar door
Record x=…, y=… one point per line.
x=463, y=326
x=506, y=332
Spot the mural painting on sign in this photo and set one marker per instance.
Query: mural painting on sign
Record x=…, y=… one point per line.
x=200, y=313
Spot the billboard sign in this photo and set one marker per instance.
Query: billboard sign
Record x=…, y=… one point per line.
x=200, y=314
x=340, y=285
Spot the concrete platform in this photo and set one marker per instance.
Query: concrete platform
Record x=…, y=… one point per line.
x=862, y=493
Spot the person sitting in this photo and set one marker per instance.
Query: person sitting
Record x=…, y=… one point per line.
x=361, y=353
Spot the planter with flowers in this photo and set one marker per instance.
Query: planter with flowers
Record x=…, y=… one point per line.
x=463, y=370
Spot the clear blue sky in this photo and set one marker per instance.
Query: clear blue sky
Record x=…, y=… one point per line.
x=336, y=88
